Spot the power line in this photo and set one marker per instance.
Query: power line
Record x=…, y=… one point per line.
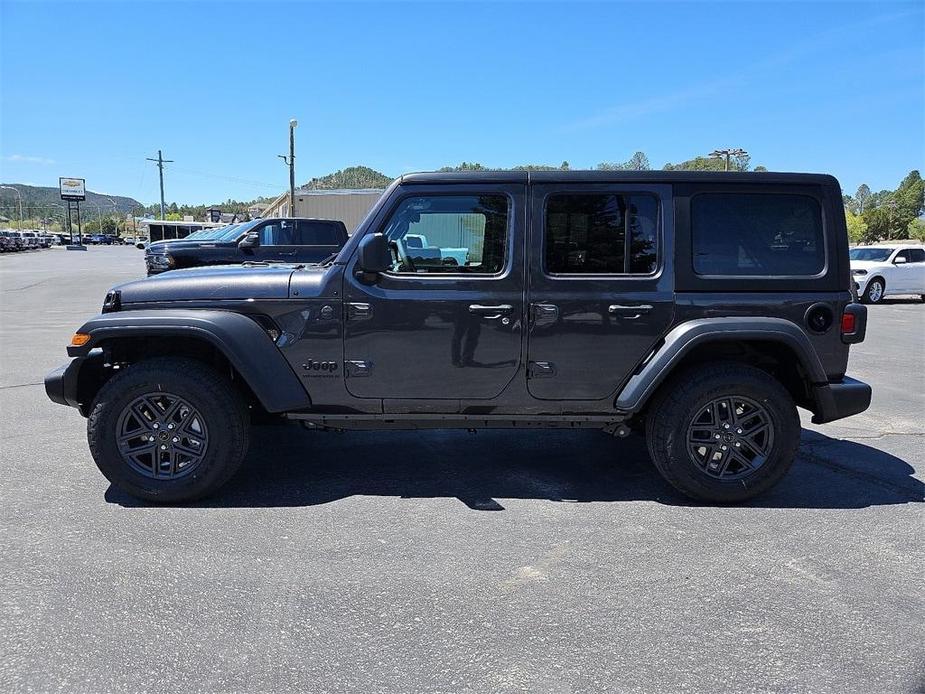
x=727, y=153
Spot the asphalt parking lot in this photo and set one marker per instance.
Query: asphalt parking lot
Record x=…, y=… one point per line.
x=450, y=562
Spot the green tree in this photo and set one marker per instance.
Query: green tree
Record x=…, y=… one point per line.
x=888, y=214
x=862, y=197
x=638, y=162
x=857, y=229
x=916, y=229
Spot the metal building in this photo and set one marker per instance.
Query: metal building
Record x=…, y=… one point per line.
x=349, y=205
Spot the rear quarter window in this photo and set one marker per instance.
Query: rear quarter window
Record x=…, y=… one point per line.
x=757, y=235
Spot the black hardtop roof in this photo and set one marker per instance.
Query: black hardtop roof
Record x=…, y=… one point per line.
x=617, y=177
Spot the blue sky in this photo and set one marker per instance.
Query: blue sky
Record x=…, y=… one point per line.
x=93, y=89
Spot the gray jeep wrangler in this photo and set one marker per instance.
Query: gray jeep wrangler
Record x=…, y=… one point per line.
x=700, y=308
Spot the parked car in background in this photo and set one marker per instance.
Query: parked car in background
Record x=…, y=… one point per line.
x=141, y=241
x=47, y=240
x=283, y=239
x=7, y=245
x=31, y=239
x=19, y=241
x=882, y=271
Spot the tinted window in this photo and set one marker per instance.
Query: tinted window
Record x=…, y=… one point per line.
x=912, y=255
x=757, y=234
x=587, y=234
x=874, y=254
x=318, y=234
x=449, y=234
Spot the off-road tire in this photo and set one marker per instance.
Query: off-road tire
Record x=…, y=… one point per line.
x=679, y=401
x=866, y=298
x=215, y=399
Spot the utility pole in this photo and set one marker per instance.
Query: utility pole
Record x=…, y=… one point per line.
x=160, y=166
x=290, y=160
x=727, y=153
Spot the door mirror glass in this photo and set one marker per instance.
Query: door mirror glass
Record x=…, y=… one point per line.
x=251, y=240
x=900, y=260
x=373, y=254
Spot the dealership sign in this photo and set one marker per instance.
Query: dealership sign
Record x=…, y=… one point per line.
x=72, y=188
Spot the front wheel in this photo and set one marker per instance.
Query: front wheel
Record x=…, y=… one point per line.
x=873, y=294
x=168, y=430
x=723, y=432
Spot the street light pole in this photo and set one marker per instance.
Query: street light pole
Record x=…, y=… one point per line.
x=19, y=195
x=727, y=153
x=115, y=214
x=290, y=160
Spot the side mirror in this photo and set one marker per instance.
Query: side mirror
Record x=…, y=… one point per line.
x=900, y=260
x=373, y=254
x=251, y=240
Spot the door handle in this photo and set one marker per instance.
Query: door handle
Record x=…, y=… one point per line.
x=544, y=314
x=629, y=312
x=359, y=311
x=490, y=312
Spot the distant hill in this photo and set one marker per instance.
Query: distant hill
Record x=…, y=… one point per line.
x=43, y=196
x=351, y=177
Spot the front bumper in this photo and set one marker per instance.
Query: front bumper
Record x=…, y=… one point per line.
x=839, y=400
x=61, y=384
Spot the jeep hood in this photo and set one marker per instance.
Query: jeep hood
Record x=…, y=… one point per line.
x=219, y=283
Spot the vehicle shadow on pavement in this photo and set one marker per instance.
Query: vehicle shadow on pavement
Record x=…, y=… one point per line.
x=288, y=466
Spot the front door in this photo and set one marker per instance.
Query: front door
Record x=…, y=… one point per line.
x=446, y=322
x=601, y=289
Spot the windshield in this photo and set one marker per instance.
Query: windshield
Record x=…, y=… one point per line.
x=870, y=253
x=237, y=230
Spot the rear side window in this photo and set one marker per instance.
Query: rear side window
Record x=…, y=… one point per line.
x=757, y=234
x=601, y=233
x=318, y=234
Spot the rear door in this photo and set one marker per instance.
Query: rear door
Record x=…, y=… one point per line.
x=601, y=292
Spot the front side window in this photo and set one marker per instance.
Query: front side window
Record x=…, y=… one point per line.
x=912, y=255
x=449, y=234
x=592, y=233
x=757, y=234
x=279, y=233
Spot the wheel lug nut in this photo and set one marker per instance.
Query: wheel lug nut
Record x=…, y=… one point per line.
x=170, y=426
x=724, y=448
x=716, y=437
x=156, y=425
x=738, y=431
x=725, y=426
x=150, y=438
x=163, y=446
x=738, y=444
x=176, y=440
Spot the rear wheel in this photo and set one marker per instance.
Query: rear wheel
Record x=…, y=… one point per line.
x=723, y=432
x=873, y=294
x=168, y=430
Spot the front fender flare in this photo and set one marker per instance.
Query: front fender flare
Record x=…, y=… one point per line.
x=686, y=336
x=240, y=339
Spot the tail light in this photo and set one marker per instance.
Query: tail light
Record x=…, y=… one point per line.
x=853, y=323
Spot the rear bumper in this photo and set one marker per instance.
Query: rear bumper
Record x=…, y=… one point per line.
x=61, y=384
x=839, y=400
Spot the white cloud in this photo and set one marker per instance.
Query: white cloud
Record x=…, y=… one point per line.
x=29, y=159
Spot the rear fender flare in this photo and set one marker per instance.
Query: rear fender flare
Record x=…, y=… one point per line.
x=686, y=336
